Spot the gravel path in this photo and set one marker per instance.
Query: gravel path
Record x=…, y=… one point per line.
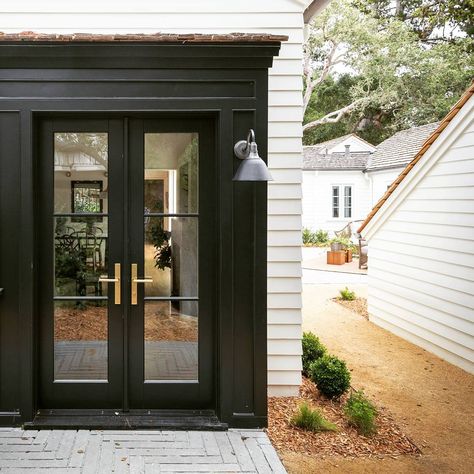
x=431, y=399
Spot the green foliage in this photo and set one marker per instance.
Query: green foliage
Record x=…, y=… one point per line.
x=361, y=413
x=379, y=67
x=161, y=241
x=320, y=237
x=69, y=263
x=310, y=419
x=313, y=350
x=330, y=375
x=347, y=295
x=430, y=20
x=344, y=241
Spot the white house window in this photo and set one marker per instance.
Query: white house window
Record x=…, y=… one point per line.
x=335, y=201
x=347, y=201
x=342, y=201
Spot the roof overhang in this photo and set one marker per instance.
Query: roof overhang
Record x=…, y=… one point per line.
x=314, y=8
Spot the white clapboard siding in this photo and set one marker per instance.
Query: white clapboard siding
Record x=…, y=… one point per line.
x=285, y=131
x=421, y=249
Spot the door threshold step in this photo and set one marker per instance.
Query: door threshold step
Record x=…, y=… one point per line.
x=166, y=420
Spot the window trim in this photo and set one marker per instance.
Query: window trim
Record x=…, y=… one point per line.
x=341, y=196
x=85, y=181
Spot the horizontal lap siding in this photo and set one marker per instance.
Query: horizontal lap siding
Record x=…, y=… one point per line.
x=421, y=277
x=284, y=130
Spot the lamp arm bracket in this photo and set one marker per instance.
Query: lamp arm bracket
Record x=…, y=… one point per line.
x=242, y=148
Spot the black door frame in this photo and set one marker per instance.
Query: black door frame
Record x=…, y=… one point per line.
x=124, y=388
x=227, y=81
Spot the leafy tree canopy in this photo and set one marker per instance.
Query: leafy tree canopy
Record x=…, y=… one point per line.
x=431, y=20
x=375, y=76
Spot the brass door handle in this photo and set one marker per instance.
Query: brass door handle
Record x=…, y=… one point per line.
x=143, y=280
x=116, y=280
x=136, y=280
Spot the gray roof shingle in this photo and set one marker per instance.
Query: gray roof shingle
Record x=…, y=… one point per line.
x=399, y=149
x=314, y=160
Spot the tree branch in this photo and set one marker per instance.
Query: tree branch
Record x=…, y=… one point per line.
x=311, y=83
x=332, y=117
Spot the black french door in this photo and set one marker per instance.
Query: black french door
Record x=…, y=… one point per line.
x=127, y=260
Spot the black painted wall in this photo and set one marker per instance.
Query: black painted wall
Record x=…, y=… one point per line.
x=226, y=82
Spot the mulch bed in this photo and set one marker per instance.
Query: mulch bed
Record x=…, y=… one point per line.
x=162, y=323
x=389, y=440
x=359, y=305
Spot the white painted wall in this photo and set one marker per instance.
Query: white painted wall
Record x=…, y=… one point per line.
x=421, y=249
x=317, y=195
x=285, y=131
x=380, y=181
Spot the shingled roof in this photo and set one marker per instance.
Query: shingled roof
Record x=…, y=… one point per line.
x=399, y=149
x=313, y=159
x=328, y=144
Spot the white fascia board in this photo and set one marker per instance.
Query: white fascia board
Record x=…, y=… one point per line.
x=438, y=148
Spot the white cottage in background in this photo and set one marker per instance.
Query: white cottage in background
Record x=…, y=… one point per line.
x=282, y=17
x=343, y=178
x=421, y=244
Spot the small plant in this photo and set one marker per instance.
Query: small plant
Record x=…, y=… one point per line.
x=312, y=350
x=347, y=295
x=308, y=237
x=310, y=419
x=321, y=236
x=330, y=375
x=318, y=238
x=361, y=413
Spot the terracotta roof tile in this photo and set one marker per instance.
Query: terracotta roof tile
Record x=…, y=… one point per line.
x=31, y=36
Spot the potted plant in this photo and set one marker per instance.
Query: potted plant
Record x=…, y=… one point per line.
x=339, y=243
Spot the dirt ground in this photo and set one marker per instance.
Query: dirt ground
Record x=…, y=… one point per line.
x=431, y=399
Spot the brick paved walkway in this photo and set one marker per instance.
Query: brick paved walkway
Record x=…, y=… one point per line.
x=105, y=452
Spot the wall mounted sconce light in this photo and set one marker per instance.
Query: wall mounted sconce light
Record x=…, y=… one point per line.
x=252, y=168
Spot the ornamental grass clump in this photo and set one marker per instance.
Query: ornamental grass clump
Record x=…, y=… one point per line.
x=347, y=295
x=330, y=375
x=313, y=350
x=310, y=419
x=361, y=413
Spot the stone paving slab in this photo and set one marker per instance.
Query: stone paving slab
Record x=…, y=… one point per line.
x=136, y=452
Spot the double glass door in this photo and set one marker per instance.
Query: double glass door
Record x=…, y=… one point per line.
x=126, y=288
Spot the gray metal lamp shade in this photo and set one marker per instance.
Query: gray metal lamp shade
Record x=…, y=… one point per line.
x=252, y=168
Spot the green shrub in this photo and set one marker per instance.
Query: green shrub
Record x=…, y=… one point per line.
x=308, y=237
x=347, y=295
x=321, y=236
x=361, y=413
x=311, y=420
x=330, y=375
x=313, y=349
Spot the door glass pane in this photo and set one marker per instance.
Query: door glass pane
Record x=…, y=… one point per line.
x=80, y=172
x=171, y=340
x=80, y=255
x=171, y=256
x=80, y=340
x=171, y=173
